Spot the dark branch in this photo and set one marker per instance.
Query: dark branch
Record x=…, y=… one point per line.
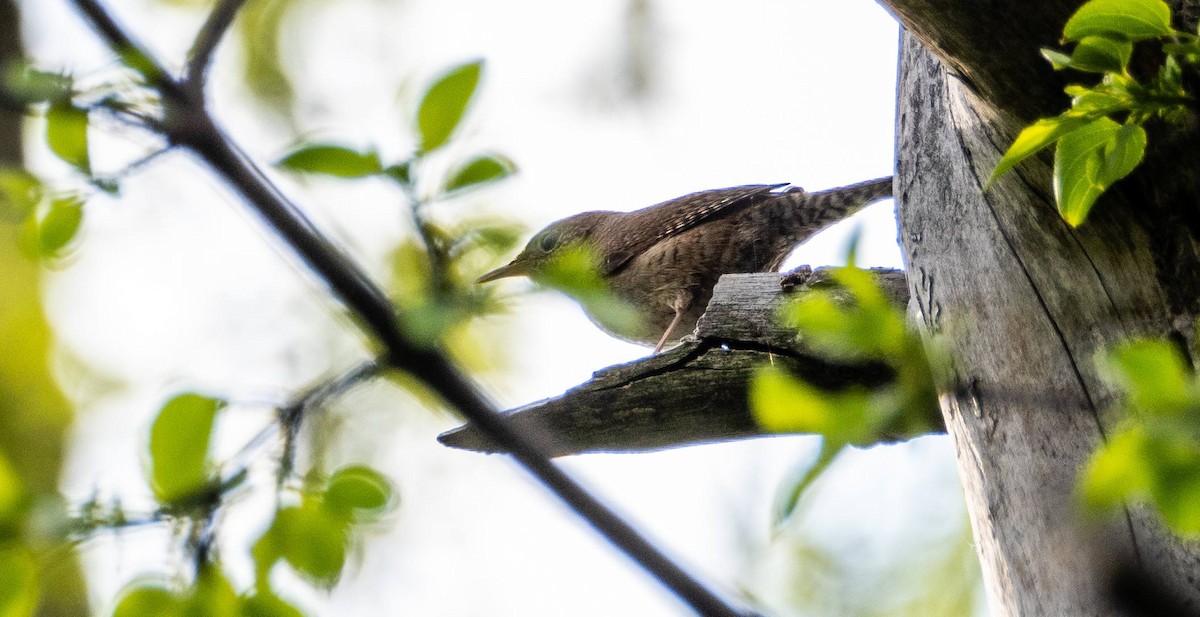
x=133, y=53
x=214, y=28
x=195, y=129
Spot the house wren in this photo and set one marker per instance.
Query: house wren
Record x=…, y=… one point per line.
x=665, y=259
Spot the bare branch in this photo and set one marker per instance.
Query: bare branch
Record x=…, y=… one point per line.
x=697, y=392
x=133, y=53
x=207, y=39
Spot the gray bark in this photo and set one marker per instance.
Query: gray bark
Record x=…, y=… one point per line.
x=695, y=392
x=1024, y=303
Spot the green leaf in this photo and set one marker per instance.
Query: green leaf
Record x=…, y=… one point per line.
x=20, y=193
x=574, y=271
x=1117, y=470
x=310, y=538
x=137, y=60
x=179, y=446
x=268, y=605
x=1176, y=489
x=332, y=160
x=480, y=170
x=444, y=104
x=783, y=404
x=1033, y=138
x=1096, y=102
x=358, y=489
x=1122, y=154
x=1057, y=58
x=400, y=172
x=12, y=496
x=67, y=135
x=1089, y=159
x=1154, y=375
x=60, y=224
x=149, y=600
x=30, y=85
x=19, y=584
x=797, y=489
x=1101, y=54
x=213, y=596
x=1133, y=20
x=849, y=322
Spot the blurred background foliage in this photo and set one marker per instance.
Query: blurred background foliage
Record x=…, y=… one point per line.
x=224, y=550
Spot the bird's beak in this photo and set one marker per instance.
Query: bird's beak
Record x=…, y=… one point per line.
x=516, y=268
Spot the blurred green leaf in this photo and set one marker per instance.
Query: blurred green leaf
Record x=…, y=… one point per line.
x=67, y=135
x=478, y=171
x=332, y=160
x=19, y=584
x=444, y=104
x=574, y=271
x=310, y=538
x=1154, y=375
x=12, y=496
x=400, y=172
x=1033, y=138
x=854, y=325
x=796, y=490
x=1176, y=489
x=1155, y=454
x=1133, y=20
x=20, y=193
x=1118, y=470
x=149, y=600
x=1101, y=54
x=268, y=605
x=847, y=318
x=358, y=489
x=60, y=224
x=260, y=27
x=30, y=85
x=213, y=596
x=179, y=445
x=141, y=63
x=784, y=404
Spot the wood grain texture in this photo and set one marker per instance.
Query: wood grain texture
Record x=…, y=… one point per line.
x=1025, y=303
x=695, y=392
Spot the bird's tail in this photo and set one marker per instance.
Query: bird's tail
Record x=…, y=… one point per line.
x=832, y=205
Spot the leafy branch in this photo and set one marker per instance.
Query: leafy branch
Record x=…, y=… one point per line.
x=187, y=123
x=1153, y=455
x=847, y=320
x=1101, y=138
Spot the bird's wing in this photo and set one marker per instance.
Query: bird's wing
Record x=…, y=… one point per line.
x=653, y=224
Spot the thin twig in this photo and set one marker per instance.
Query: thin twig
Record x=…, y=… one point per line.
x=199, y=132
x=132, y=52
x=207, y=39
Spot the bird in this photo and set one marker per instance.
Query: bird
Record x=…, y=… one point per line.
x=664, y=260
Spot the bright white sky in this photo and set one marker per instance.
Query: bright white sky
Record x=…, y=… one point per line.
x=174, y=287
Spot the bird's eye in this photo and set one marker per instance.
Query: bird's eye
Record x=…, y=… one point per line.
x=547, y=242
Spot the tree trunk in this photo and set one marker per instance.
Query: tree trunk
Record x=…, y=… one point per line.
x=1024, y=303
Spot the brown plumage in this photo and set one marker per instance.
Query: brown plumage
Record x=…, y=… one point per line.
x=665, y=259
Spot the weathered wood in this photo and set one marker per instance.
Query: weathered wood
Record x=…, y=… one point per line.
x=697, y=391
x=1024, y=303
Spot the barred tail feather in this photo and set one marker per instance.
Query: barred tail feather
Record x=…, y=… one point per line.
x=832, y=205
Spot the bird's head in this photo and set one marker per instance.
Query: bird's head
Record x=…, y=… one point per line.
x=550, y=244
